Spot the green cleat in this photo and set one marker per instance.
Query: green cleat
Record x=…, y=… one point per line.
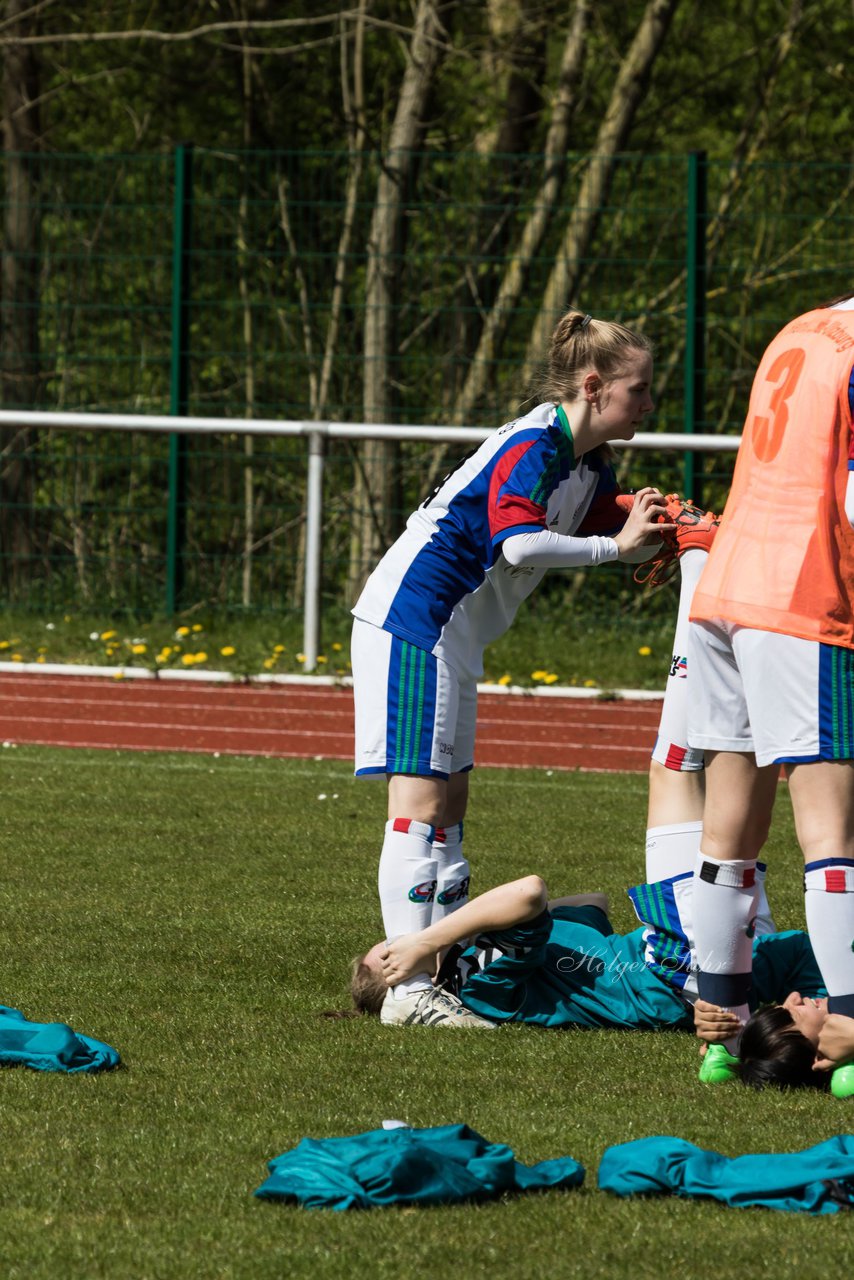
x=719, y=1066
x=842, y=1082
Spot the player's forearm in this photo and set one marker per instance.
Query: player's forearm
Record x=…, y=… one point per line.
x=499, y=908
x=546, y=550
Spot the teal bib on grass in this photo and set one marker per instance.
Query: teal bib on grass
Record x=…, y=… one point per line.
x=818, y=1180
x=443, y=1165
x=50, y=1046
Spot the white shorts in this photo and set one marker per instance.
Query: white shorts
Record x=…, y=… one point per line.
x=788, y=700
x=414, y=714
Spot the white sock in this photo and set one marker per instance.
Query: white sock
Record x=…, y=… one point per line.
x=453, y=872
x=764, y=919
x=829, y=902
x=691, y=565
x=672, y=850
x=407, y=885
x=723, y=908
x=671, y=745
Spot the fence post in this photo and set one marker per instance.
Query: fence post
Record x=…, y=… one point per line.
x=313, y=542
x=695, y=320
x=179, y=392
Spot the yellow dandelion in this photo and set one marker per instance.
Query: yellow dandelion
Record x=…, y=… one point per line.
x=159, y=658
x=197, y=626
x=41, y=658
x=4, y=644
x=278, y=648
x=188, y=659
x=590, y=684
x=182, y=631
x=42, y=648
x=118, y=675
x=66, y=617
x=300, y=657
x=227, y=650
x=139, y=648
x=201, y=656
x=644, y=651
x=17, y=657
x=505, y=679
x=550, y=678
x=107, y=635
x=321, y=658
x=539, y=675
x=269, y=663
x=336, y=648
x=165, y=651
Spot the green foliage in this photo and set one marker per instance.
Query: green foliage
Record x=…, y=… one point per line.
x=200, y=914
x=567, y=642
x=272, y=112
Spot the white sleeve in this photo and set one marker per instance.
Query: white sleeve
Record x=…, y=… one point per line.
x=546, y=550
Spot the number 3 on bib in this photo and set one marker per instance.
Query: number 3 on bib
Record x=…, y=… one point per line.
x=767, y=429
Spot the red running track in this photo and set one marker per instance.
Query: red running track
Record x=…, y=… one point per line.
x=304, y=722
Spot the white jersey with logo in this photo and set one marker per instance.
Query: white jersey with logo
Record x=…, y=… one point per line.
x=444, y=585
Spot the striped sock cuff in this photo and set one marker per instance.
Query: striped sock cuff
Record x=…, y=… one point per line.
x=409, y=827
x=739, y=874
x=830, y=875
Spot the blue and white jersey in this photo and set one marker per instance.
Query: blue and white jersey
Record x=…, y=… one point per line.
x=444, y=585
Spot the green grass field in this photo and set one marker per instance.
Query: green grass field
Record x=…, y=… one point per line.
x=199, y=914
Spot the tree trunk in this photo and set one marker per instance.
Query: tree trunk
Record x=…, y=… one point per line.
x=544, y=206
x=516, y=67
x=19, y=340
x=628, y=93
x=375, y=483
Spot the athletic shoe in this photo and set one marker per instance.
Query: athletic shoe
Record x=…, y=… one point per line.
x=695, y=529
x=842, y=1082
x=432, y=1007
x=718, y=1065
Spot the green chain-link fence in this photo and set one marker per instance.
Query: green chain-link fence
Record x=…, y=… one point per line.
x=238, y=285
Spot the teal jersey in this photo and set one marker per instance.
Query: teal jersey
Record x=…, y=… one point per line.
x=818, y=1180
x=570, y=969
x=404, y=1166
x=782, y=963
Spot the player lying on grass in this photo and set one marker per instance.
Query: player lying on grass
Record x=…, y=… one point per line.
x=676, y=792
x=562, y=964
x=793, y=1044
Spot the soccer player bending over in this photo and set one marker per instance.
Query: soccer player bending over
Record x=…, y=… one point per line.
x=525, y=501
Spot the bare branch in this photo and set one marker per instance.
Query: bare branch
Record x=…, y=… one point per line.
x=177, y=37
x=355, y=114
x=236, y=25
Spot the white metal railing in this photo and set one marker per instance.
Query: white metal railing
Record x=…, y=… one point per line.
x=317, y=433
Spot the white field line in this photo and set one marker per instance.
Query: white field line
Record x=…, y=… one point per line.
x=336, y=682
x=107, y=701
